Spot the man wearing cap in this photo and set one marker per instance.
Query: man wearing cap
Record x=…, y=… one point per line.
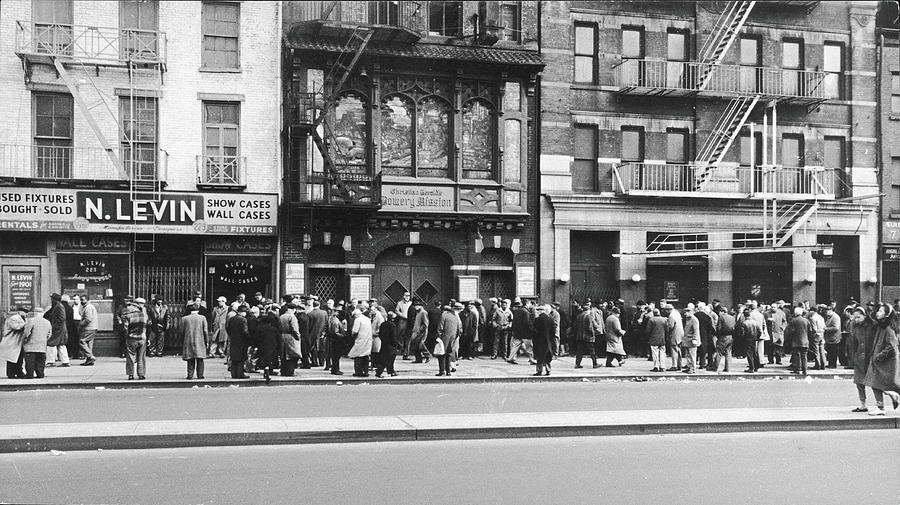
x=522, y=331
x=796, y=336
x=318, y=320
x=290, y=340
x=87, y=329
x=259, y=301
x=335, y=340
x=832, y=336
x=160, y=321
x=194, y=330
x=403, y=325
x=751, y=332
x=38, y=331
x=614, y=333
x=239, y=335
x=586, y=328
x=218, y=336
x=778, y=321
x=501, y=322
x=674, y=335
x=543, y=339
x=419, y=333
x=59, y=322
x=691, y=340
x=817, y=342
x=469, y=320
x=449, y=331
x=135, y=319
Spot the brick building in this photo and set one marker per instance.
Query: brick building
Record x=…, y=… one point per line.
x=888, y=61
x=126, y=161
x=711, y=150
x=410, y=149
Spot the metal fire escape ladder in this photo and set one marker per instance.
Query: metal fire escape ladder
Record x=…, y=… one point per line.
x=333, y=155
x=723, y=134
x=723, y=35
x=792, y=219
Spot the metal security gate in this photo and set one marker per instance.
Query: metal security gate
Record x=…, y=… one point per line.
x=497, y=284
x=327, y=283
x=175, y=284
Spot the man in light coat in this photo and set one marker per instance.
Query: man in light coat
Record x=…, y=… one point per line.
x=449, y=332
x=691, y=340
x=817, y=344
x=194, y=330
x=614, y=333
x=362, y=333
x=290, y=340
x=87, y=329
x=218, y=336
x=674, y=334
x=38, y=331
x=778, y=320
x=832, y=336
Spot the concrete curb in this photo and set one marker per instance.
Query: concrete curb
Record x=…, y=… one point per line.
x=37, y=385
x=170, y=434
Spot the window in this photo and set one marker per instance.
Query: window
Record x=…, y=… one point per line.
x=585, y=53
x=584, y=169
x=792, y=62
x=748, y=155
x=512, y=164
x=632, y=144
x=444, y=18
x=138, y=21
x=792, y=155
x=895, y=93
x=431, y=136
x=221, y=122
x=833, y=65
x=891, y=274
x=676, y=45
x=751, y=54
x=221, y=29
x=52, y=26
x=384, y=13
x=52, y=136
x=677, y=72
x=751, y=59
x=478, y=140
x=510, y=21
x=350, y=127
x=632, y=42
x=397, y=135
x=676, y=147
x=834, y=152
x=139, y=144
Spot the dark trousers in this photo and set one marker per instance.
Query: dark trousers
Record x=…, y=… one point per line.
x=831, y=352
x=335, y=350
x=467, y=346
x=500, y=342
x=706, y=355
x=195, y=363
x=582, y=348
x=361, y=365
x=307, y=353
x=288, y=366
x=752, y=357
x=34, y=364
x=617, y=357
x=800, y=357
x=237, y=369
x=14, y=369
x=444, y=363
x=385, y=361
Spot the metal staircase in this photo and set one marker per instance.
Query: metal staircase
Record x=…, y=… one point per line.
x=726, y=30
x=791, y=220
x=723, y=134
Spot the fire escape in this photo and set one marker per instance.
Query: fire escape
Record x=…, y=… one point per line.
x=746, y=89
x=76, y=54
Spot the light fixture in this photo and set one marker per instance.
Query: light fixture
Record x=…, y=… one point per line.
x=347, y=243
x=478, y=234
x=326, y=238
x=636, y=278
x=809, y=280
x=873, y=280
x=414, y=237
x=363, y=73
x=307, y=241
x=564, y=278
x=368, y=234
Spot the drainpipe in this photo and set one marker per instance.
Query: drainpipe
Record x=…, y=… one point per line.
x=536, y=149
x=879, y=162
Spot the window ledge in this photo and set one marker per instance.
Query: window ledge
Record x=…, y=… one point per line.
x=212, y=70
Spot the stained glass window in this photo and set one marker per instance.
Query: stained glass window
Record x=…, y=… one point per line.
x=350, y=131
x=512, y=101
x=477, y=142
x=433, y=136
x=397, y=135
x=512, y=169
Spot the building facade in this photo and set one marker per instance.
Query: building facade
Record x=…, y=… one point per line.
x=888, y=23
x=139, y=152
x=410, y=140
x=710, y=150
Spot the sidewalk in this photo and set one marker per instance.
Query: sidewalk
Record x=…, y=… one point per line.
x=406, y=428
x=170, y=371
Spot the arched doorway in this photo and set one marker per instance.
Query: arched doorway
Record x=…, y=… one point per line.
x=422, y=270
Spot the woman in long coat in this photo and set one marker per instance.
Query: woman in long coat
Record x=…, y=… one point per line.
x=362, y=344
x=614, y=333
x=544, y=332
x=883, y=375
x=860, y=339
x=11, y=345
x=195, y=336
x=268, y=339
x=385, y=357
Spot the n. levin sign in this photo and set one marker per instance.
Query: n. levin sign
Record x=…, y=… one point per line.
x=29, y=209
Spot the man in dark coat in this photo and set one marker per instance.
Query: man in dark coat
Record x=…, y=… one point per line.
x=434, y=321
x=390, y=340
x=544, y=332
x=317, y=319
x=587, y=326
x=59, y=322
x=522, y=333
x=469, y=321
x=707, y=352
x=796, y=336
x=239, y=335
x=269, y=340
x=305, y=344
x=334, y=334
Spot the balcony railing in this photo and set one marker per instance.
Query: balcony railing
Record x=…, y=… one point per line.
x=91, y=43
x=222, y=171
x=68, y=163
x=303, y=107
x=654, y=77
x=729, y=181
x=365, y=190
x=402, y=14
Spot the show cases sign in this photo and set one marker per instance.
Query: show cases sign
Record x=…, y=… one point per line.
x=396, y=198
x=65, y=210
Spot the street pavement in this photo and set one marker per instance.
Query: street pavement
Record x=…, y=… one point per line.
x=821, y=468
x=170, y=371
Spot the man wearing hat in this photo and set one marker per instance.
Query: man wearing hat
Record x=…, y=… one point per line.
x=218, y=336
x=403, y=325
x=38, y=331
x=160, y=320
x=58, y=318
x=469, y=319
x=134, y=320
x=87, y=328
x=817, y=342
x=419, y=333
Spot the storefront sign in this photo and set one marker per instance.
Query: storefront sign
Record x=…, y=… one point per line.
x=238, y=273
x=21, y=289
x=90, y=271
x=890, y=232
x=396, y=198
x=294, y=279
x=468, y=287
x=69, y=210
x=525, y=280
x=360, y=287
x=892, y=254
x=93, y=243
x=670, y=291
x=239, y=245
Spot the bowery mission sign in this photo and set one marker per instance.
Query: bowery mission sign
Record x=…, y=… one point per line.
x=112, y=211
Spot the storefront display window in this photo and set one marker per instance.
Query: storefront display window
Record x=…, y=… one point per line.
x=99, y=276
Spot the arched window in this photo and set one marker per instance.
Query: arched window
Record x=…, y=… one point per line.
x=350, y=131
x=478, y=140
x=397, y=135
x=433, y=137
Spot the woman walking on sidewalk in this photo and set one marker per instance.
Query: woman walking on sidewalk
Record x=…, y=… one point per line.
x=883, y=375
x=859, y=348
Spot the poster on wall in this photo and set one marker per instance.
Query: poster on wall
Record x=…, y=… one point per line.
x=360, y=287
x=294, y=278
x=468, y=287
x=525, y=280
x=670, y=290
x=21, y=289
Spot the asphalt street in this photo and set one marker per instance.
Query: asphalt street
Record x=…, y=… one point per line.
x=821, y=468
x=60, y=406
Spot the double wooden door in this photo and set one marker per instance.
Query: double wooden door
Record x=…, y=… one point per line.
x=424, y=273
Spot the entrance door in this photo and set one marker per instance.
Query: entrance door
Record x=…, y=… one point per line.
x=832, y=284
x=425, y=273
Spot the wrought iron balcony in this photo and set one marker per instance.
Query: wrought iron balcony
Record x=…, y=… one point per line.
x=221, y=172
x=59, y=164
x=303, y=108
x=688, y=78
x=90, y=44
x=365, y=191
x=729, y=181
x=398, y=21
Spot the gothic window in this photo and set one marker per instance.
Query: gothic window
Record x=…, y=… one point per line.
x=350, y=131
x=478, y=141
x=433, y=137
x=397, y=135
x=511, y=153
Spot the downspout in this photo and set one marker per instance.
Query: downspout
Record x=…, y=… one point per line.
x=536, y=149
x=284, y=134
x=879, y=161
